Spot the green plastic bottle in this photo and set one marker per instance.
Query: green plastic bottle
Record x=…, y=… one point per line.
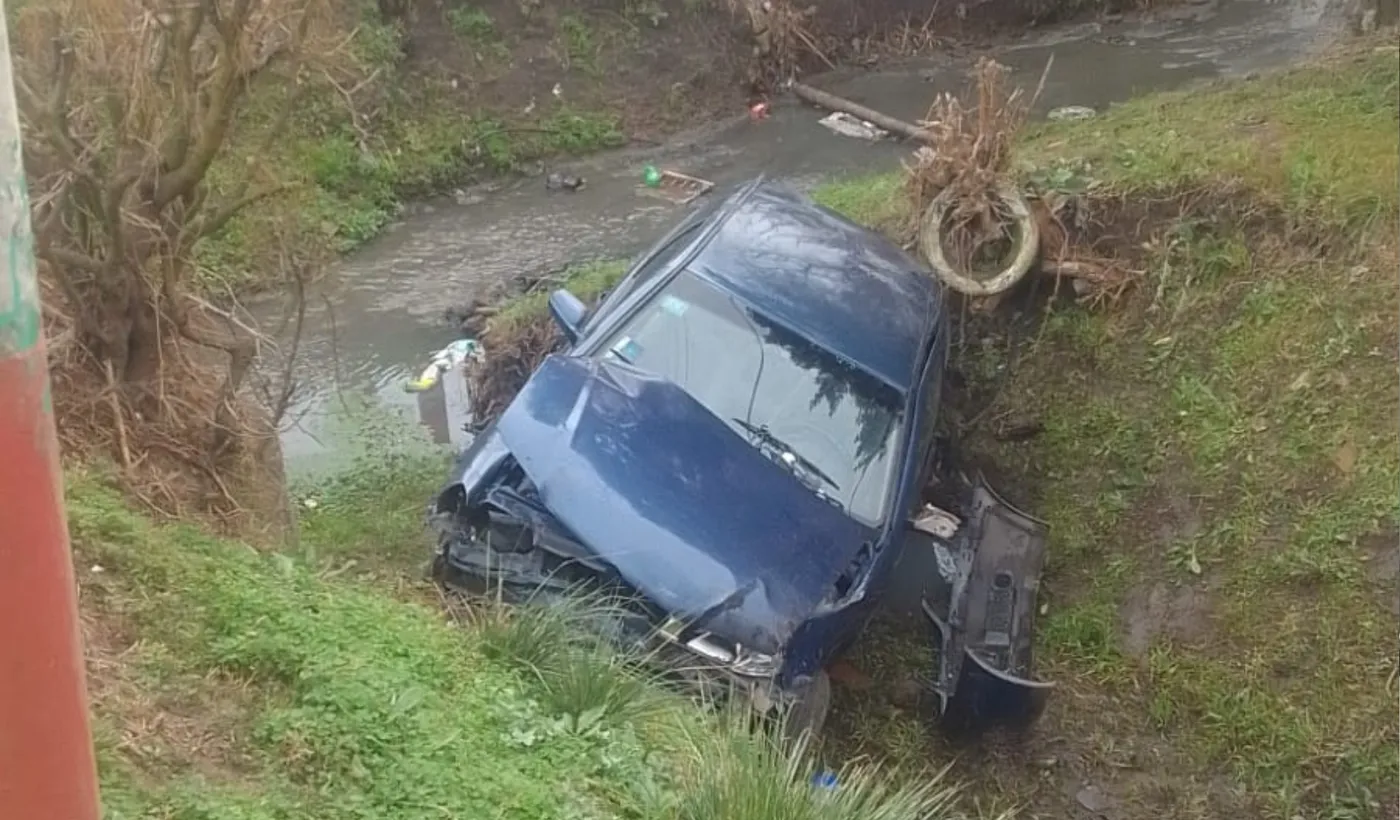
x=651, y=177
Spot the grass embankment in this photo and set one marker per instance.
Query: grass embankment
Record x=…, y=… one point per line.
x=1219, y=459
x=521, y=333
x=435, y=105
x=233, y=684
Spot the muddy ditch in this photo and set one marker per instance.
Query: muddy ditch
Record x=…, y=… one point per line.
x=881, y=705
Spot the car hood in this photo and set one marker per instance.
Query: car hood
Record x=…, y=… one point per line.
x=685, y=510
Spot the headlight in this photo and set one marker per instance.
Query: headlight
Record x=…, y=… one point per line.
x=755, y=664
x=737, y=659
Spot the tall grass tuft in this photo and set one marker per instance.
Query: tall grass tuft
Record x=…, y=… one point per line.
x=733, y=772
x=562, y=645
x=592, y=685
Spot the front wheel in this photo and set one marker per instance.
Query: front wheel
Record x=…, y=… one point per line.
x=806, y=718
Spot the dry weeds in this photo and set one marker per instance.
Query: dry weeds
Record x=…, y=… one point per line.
x=970, y=153
x=126, y=105
x=784, y=40
x=514, y=350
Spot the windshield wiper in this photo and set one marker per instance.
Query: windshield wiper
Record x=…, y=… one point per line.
x=763, y=434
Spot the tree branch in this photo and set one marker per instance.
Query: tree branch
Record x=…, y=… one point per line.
x=189, y=19
x=71, y=258
x=210, y=223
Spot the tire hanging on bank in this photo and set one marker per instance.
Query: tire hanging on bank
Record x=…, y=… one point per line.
x=931, y=235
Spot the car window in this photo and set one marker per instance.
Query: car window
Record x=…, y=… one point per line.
x=663, y=254
x=752, y=373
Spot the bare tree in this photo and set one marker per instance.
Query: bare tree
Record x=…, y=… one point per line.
x=126, y=105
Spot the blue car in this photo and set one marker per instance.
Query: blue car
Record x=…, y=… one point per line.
x=742, y=438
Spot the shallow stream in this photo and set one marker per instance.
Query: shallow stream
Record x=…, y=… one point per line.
x=376, y=320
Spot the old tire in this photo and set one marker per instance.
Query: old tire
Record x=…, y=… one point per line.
x=931, y=243
x=806, y=717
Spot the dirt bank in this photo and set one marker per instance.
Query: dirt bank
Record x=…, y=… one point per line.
x=1212, y=450
x=1214, y=455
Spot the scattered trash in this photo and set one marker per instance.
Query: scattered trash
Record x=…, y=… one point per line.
x=451, y=356
x=1094, y=800
x=831, y=102
x=848, y=126
x=824, y=780
x=1072, y=112
x=563, y=182
x=759, y=111
x=310, y=503
x=673, y=186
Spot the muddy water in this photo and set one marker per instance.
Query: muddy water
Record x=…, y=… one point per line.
x=380, y=316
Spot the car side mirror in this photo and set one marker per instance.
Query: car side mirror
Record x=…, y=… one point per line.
x=568, y=311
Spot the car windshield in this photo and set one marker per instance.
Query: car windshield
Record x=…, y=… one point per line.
x=834, y=424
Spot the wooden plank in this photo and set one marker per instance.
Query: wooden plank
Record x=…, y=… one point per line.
x=818, y=97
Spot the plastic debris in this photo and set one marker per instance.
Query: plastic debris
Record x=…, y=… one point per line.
x=449, y=357
x=563, y=182
x=1093, y=799
x=848, y=126
x=824, y=780
x=1072, y=112
x=673, y=186
x=759, y=111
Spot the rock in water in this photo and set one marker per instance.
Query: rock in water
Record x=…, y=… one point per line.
x=1071, y=112
x=563, y=182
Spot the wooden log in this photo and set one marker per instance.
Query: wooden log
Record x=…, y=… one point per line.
x=816, y=96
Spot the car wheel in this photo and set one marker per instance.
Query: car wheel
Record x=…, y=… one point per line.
x=807, y=715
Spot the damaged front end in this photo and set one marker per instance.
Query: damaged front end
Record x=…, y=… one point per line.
x=500, y=541
x=981, y=602
x=603, y=478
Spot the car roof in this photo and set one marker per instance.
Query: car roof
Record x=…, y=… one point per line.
x=841, y=286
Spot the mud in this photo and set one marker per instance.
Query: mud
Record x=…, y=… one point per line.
x=379, y=317
x=1382, y=554
x=1178, y=612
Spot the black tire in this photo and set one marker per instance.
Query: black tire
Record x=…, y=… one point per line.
x=807, y=715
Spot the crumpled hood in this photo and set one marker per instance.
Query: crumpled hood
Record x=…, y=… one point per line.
x=689, y=513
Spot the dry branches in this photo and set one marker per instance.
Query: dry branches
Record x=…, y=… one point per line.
x=782, y=37
x=968, y=163
x=514, y=351
x=127, y=106
x=969, y=152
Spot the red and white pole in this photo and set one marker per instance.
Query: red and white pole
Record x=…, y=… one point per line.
x=46, y=759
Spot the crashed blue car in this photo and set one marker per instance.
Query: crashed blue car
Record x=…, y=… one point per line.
x=743, y=438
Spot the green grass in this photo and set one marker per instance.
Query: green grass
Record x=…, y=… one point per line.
x=351, y=176
x=239, y=685
x=1315, y=139
x=471, y=23
x=1227, y=430
x=352, y=704
x=877, y=201
x=587, y=282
